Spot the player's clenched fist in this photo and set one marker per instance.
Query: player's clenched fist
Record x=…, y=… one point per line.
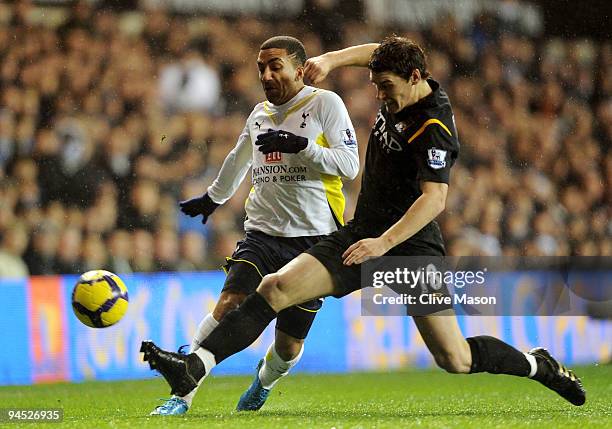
x=203, y=205
x=317, y=68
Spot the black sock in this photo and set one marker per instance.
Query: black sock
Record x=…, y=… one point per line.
x=496, y=357
x=239, y=328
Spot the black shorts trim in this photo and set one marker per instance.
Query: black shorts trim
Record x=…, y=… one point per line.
x=231, y=261
x=307, y=309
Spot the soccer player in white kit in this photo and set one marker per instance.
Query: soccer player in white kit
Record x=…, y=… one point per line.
x=300, y=144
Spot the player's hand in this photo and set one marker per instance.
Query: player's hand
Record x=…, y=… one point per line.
x=199, y=206
x=317, y=68
x=365, y=249
x=281, y=141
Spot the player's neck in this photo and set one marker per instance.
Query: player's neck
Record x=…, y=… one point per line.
x=417, y=93
x=422, y=90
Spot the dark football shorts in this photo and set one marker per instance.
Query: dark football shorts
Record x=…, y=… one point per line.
x=347, y=279
x=259, y=254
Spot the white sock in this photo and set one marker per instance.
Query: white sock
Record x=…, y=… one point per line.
x=207, y=358
x=205, y=327
x=275, y=367
x=533, y=363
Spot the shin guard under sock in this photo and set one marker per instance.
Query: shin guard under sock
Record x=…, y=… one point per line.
x=239, y=328
x=496, y=357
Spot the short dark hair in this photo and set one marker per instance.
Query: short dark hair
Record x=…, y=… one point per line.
x=290, y=44
x=398, y=55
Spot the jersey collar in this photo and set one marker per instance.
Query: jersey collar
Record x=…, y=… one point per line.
x=302, y=93
x=278, y=114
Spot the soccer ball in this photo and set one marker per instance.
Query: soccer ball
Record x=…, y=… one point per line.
x=99, y=299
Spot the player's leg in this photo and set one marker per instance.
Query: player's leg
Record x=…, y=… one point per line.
x=444, y=339
x=282, y=355
x=242, y=278
x=292, y=327
x=302, y=279
x=228, y=300
x=306, y=277
x=483, y=353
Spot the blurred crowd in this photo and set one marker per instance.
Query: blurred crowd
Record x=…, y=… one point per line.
x=108, y=118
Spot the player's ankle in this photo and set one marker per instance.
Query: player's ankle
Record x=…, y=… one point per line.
x=197, y=368
x=204, y=358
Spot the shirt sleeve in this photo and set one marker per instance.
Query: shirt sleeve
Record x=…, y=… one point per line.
x=234, y=168
x=436, y=152
x=335, y=151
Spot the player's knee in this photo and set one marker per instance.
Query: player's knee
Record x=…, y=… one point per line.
x=227, y=302
x=269, y=288
x=289, y=349
x=454, y=362
x=273, y=289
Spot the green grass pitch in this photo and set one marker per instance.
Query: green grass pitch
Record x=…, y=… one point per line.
x=426, y=399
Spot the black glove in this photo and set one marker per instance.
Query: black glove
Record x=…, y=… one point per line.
x=281, y=141
x=199, y=206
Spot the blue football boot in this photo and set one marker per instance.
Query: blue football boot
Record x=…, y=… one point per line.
x=256, y=395
x=174, y=406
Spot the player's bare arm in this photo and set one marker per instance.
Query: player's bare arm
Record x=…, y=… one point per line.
x=317, y=68
x=424, y=210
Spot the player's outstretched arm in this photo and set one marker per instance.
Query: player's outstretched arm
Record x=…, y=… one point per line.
x=317, y=68
x=234, y=168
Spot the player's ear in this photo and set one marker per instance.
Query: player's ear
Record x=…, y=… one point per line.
x=299, y=73
x=415, y=77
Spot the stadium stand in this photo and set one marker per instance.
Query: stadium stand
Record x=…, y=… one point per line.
x=108, y=118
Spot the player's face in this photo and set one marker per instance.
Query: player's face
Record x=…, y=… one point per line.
x=279, y=76
x=393, y=90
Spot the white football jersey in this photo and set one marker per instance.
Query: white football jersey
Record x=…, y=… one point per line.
x=294, y=195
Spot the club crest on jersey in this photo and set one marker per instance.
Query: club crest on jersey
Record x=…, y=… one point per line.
x=348, y=137
x=304, y=116
x=274, y=157
x=436, y=158
x=401, y=127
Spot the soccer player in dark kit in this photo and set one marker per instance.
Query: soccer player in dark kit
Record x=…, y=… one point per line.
x=411, y=150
